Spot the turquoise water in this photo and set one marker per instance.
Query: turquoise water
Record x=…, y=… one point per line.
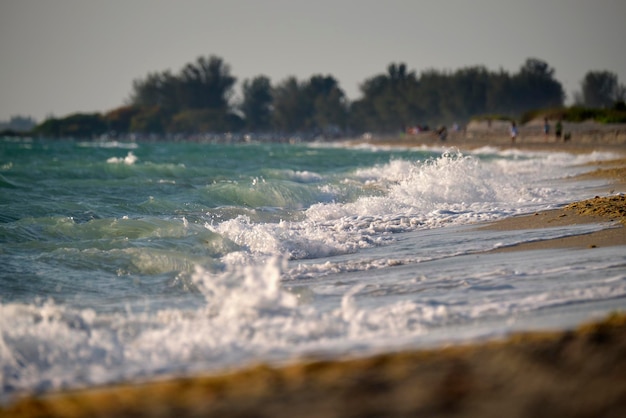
x=77, y=216
x=124, y=261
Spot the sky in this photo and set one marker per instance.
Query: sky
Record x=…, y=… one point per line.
x=59, y=57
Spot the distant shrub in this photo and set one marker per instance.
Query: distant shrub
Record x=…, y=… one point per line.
x=620, y=106
x=550, y=113
x=612, y=116
x=578, y=114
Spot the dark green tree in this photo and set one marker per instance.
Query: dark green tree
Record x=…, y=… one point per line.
x=317, y=106
x=157, y=90
x=257, y=104
x=206, y=84
x=535, y=87
x=204, y=121
x=364, y=112
x=327, y=104
x=467, y=93
x=389, y=102
x=292, y=107
x=150, y=120
x=600, y=89
x=400, y=94
x=392, y=101
x=51, y=127
x=431, y=92
x=119, y=120
x=78, y=125
x=499, y=97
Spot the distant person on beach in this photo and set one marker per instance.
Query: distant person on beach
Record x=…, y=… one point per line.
x=513, y=132
x=546, y=128
x=442, y=132
x=558, y=130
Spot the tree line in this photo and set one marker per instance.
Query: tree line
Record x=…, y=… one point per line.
x=200, y=98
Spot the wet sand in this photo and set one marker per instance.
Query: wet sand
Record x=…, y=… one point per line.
x=573, y=373
x=609, y=209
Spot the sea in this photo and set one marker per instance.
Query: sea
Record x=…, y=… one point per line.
x=126, y=261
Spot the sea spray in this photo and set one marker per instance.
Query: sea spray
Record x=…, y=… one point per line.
x=130, y=159
x=247, y=316
x=401, y=197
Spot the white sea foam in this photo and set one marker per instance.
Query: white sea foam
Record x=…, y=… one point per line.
x=108, y=144
x=130, y=159
x=404, y=196
x=304, y=176
x=248, y=315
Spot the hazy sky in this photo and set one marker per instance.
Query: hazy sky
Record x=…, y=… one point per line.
x=64, y=56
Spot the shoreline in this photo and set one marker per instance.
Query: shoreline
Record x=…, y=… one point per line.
x=558, y=373
x=583, y=141
x=609, y=209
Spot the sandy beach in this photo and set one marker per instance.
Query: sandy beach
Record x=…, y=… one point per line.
x=584, y=138
x=574, y=373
